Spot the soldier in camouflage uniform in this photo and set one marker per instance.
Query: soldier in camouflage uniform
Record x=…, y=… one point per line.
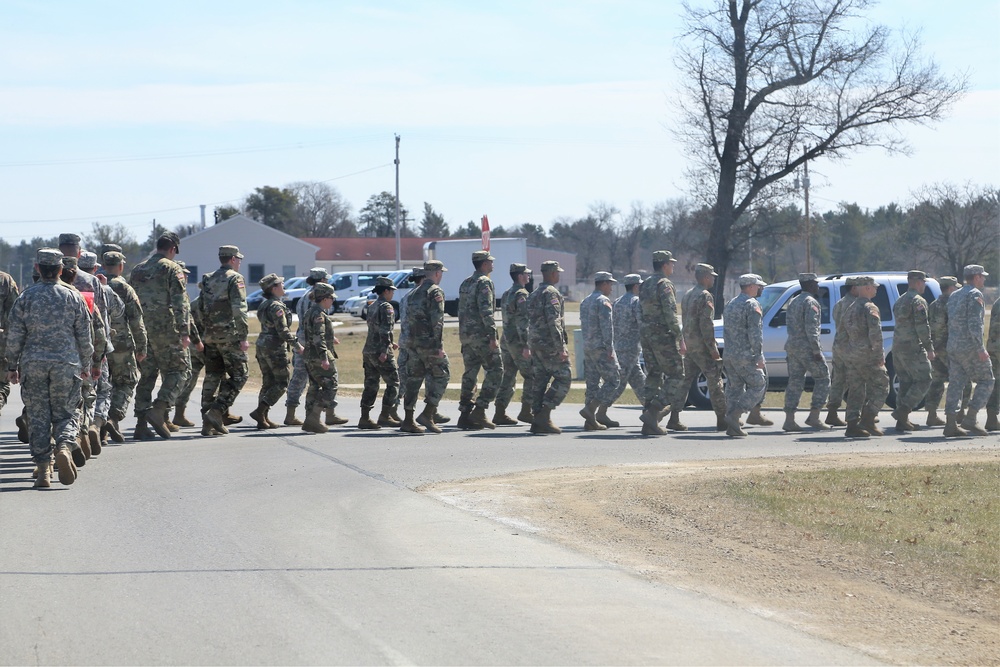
x=804, y=354
x=49, y=347
x=600, y=362
x=223, y=305
x=744, y=360
x=195, y=355
x=550, y=368
x=838, y=372
x=319, y=355
x=663, y=347
x=415, y=278
x=867, y=380
x=698, y=315
x=427, y=362
x=97, y=431
x=912, y=349
x=968, y=359
x=514, y=347
x=129, y=342
x=379, y=358
x=626, y=314
x=162, y=290
x=477, y=331
x=272, y=348
x=8, y=293
x=938, y=316
x=993, y=347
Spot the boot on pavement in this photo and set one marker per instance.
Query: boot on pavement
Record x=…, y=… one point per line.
x=267, y=419
x=440, y=418
x=290, y=418
x=734, y=430
x=903, y=424
x=313, y=423
x=259, y=415
x=675, y=422
x=590, y=417
x=832, y=419
x=408, y=425
x=465, y=420
x=854, y=429
x=500, y=417
x=720, y=421
x=394, y=413
x=951, y=427
x=869, y=424
x=366, y=423
x=94, y=435
x=156, y=417
x=214, y=418
x=815, y=421
x=43, y=479
x=650, y=418
x=114, y=430
x=970, y=425
x=228, y=418
x=542, y=423
x=428, y=418
x=992, y=421
x=525, y=414
x=142, y=430
x=790, y=425
x=757, y=419
x=179, y=418
x=479, y=419
x=22, y=426
x=64, y=464
x=385, y=418
x=933, y=419
x=333, y=419
x=602, y=417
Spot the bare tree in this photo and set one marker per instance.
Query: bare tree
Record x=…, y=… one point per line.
x=956, y=226
x=771, y=83
x=320, y=211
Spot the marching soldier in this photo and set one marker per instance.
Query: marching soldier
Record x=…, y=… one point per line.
x=938, y=317
x=514, y=347
x=129, y=342
x=698, y=313
x=427, y=362
x=663, y=347
x=838, y=374
x=320, y=357
x=805, y=354
x=968, y=359
x=627, y=316
x=744, y=360
x=993, y=347
x=272, y=348
x=550, y=368
x=867, y=379
x=912, y=349
x=379, y=358
x=600, y=362
x=8, y=293
x=477, y=331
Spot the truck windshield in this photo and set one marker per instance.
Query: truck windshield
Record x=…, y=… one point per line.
x=769, y=296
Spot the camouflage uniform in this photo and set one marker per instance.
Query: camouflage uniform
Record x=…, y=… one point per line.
x=745, y=382
x=600, y=362
x=50, y=342
x=404, y=354
x=299, y=378
x=910, y=344
x=661, y=336
x=993, y=347
x=130, y=342
x=698, y=313
x=804, y=352
x=8, y=293
x=425, y=326
x=626, y=315
x=317, y=338
x=223, y=305
x=938, y=316
x=272, y=349
x=547, y=341
x=195, y=357
x=477, y=331
x=160, y=284
x=838, y=371
x=381, y=320
x=116, y=322
x=966, y=319
x=513, y=341
x=867, y=380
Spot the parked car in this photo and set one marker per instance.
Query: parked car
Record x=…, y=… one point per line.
x=349, y=284
x=773, y=303
x=295, y=289
x=358, y=306
x=255, y=298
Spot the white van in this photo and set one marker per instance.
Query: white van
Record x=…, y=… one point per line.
x=348, y=284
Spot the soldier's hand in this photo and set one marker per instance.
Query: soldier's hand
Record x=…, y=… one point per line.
x=984, y=355
x=761, y=365
x=526, y=353
x=95, y=372
x=200, y=346
x=244, y=345
x=564, y=355
x=930, y=355
x=13, y=377
x=817, y=356
x=325, y=364
x=139, y=358
x=395, y=346
x=683, y=347
x=439, y=354
x=881, y=363
x=494, y=344
x=336, y=341
x=185, y=341
x=382, y=357
x=299, y=349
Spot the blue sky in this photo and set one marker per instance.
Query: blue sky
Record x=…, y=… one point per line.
x=128, y=111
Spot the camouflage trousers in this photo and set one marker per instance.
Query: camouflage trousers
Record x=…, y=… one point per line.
x=963, y=368
x=598, y=366
x=801, y=362
x=631, y=374
x=838, y=381
x=4, y=385
x=103, y=404
x=169, y=362
x=297, y=383
x=226, y=371
x=914, y=373
x=476, y=356
x=512, y=365
x=196, y=360
x=700, y=363
x=867, y=387
x=745, y=384
x=939, y=377
x=322, y=384
x=424, y=368
x=124, y=375
x=274, y=373
x=993, y=403
x=376, y=370
x=664, y=374
x=551, y=378
x=51, y=394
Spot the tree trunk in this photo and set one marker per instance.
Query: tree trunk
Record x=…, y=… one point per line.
x=718, y=254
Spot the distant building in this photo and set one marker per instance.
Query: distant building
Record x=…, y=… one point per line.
x=367, y=253
x=265, y=250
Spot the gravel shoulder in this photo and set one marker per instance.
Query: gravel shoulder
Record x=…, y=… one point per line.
x=663, y=522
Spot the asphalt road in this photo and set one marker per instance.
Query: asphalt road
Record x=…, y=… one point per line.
x=285, y=547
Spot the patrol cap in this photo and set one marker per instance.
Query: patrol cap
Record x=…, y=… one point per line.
x=432, y=265
x=170, y=236
x=974, y=270
x=947, y=281
x=417, y=272
x=633, y=279
x=517, y=269
x=551, y=265
x=113, y=258
x=318, y=273
x=270, y=280
x=751, y=279
x=866, y=281
x=322, y=291
x=88, y=260
x=109, y=247
x=482, y=256
x=705, y=270
x=663, y=256
x=808, y=278
x=69, y=239
x=183, y=266
x=385, y=282
x=230, y=251
x=48, y=257
x=916, y=275
x=604, y=277
x=69, y=262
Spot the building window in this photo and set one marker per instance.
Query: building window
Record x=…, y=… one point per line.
x=193, y=276
x=288, y=271
x=256, y=272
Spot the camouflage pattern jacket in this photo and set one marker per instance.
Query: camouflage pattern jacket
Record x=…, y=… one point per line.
x=742, y=329
x=476, y=302
x=275, y=319
x=863, y=326
x=840, y=333
x=381, y=320
x=514, y=314
x=223, y=304
x=50, y=322
x=132, y=336
x=8, y=293
x=546, y=321
x=698, y=313
x=912, y=331
x=318, y=334
x=802, y=317
x=937, y=315
x=161, y=286
x=659, y=310
x=966, y=320
x=627, y=317
x=597, y=323
x=993, y=339
x=425, y=318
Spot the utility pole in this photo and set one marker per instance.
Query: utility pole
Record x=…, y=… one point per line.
x=399, y=252
x=805, y=188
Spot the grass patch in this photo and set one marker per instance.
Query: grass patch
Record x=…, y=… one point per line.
x=929, y=517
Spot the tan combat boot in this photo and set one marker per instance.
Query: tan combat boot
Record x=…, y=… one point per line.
x=267, y=419
x=854, y=429
x=142, y=431
x=428, y=418
x=408, y=425
x=542, y=423
x=992, y=420
x=832, y=419
x=290, y=418
x=951, y=427
x=868, y=423
x=385, y=418
x=602, y=417
x=675, y=422
x=440, y=418
x=313, y=423
x=815, y=421
x=970, y=425
x=590, y=417
x=525, y=415
x=333, y=419
x=179, y=418
x=903, y=424
x=259, y=415
x=94, y=435
x=22, y=426
x=650, y=418
x=756, y=418
x=366, y=423
x=500, y=417
x=214, y=418
x=734, y=430
x=64, y=464
x=156, y=417
x=228, y=418
x=43, y=476
x=932, y=417
x=790, y=424
x=720, y=420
